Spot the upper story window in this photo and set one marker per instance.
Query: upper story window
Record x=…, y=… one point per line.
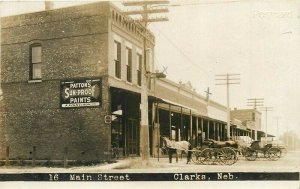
x=117, y=58
x=139, y=69
x=35, y=62
x=129, y=64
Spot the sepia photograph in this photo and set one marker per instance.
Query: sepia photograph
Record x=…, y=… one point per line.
x=150, y=93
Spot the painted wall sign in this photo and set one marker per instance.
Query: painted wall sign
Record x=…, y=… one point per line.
x=80, y=93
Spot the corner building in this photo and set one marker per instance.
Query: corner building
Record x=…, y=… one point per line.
x=71, y=81
x=63, y=72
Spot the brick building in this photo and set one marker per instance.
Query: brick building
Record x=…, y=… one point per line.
x=71, y=81
x=251, y=120
x=61, y=71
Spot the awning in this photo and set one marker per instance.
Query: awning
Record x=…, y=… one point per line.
x=177, y=104
x=262, y=134
x=240, y=128
x=181, y=105
x=192, y=109
x=269, y=135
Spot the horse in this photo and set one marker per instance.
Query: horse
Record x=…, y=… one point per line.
x=176, y=147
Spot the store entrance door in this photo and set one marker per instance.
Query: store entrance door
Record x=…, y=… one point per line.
x=132, y=137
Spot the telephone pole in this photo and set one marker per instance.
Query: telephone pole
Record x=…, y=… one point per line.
x=255, y=102
x=277, y=131
x=145, y=9
x=266, y=109
x=228, y=79
x=208, y=93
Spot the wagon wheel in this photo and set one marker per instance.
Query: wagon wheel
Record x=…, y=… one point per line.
x=265, y=152
x=207, y=156
x=250, y=154
x=228, y=156
x=273, y=154
x=242, y=151
x=195, y=155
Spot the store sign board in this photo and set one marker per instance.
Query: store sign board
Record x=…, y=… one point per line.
x=80, y=93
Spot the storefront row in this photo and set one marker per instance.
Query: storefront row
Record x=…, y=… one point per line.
x=165, y=119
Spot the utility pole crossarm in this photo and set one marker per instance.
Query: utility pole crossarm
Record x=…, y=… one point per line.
x=228, y=79
x=225, y=83
x=254, y=102
x=148, y=11
x=207, y=93
x=227, y=74
x=154, y=19
x=142, y=3
x=255, y=105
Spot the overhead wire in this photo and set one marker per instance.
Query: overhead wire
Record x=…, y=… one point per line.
x=183, y=53
x=206, y=3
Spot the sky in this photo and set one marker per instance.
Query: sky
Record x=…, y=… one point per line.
x=260, y=40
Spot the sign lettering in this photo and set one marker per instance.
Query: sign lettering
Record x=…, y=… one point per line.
x=80, y=93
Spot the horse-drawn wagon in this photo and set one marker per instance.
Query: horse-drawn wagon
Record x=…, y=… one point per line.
x=211, y=152
x=223, y=152
x=258, y=149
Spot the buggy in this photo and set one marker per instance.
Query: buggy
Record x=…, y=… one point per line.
x=216, y=152
x=259, y=149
